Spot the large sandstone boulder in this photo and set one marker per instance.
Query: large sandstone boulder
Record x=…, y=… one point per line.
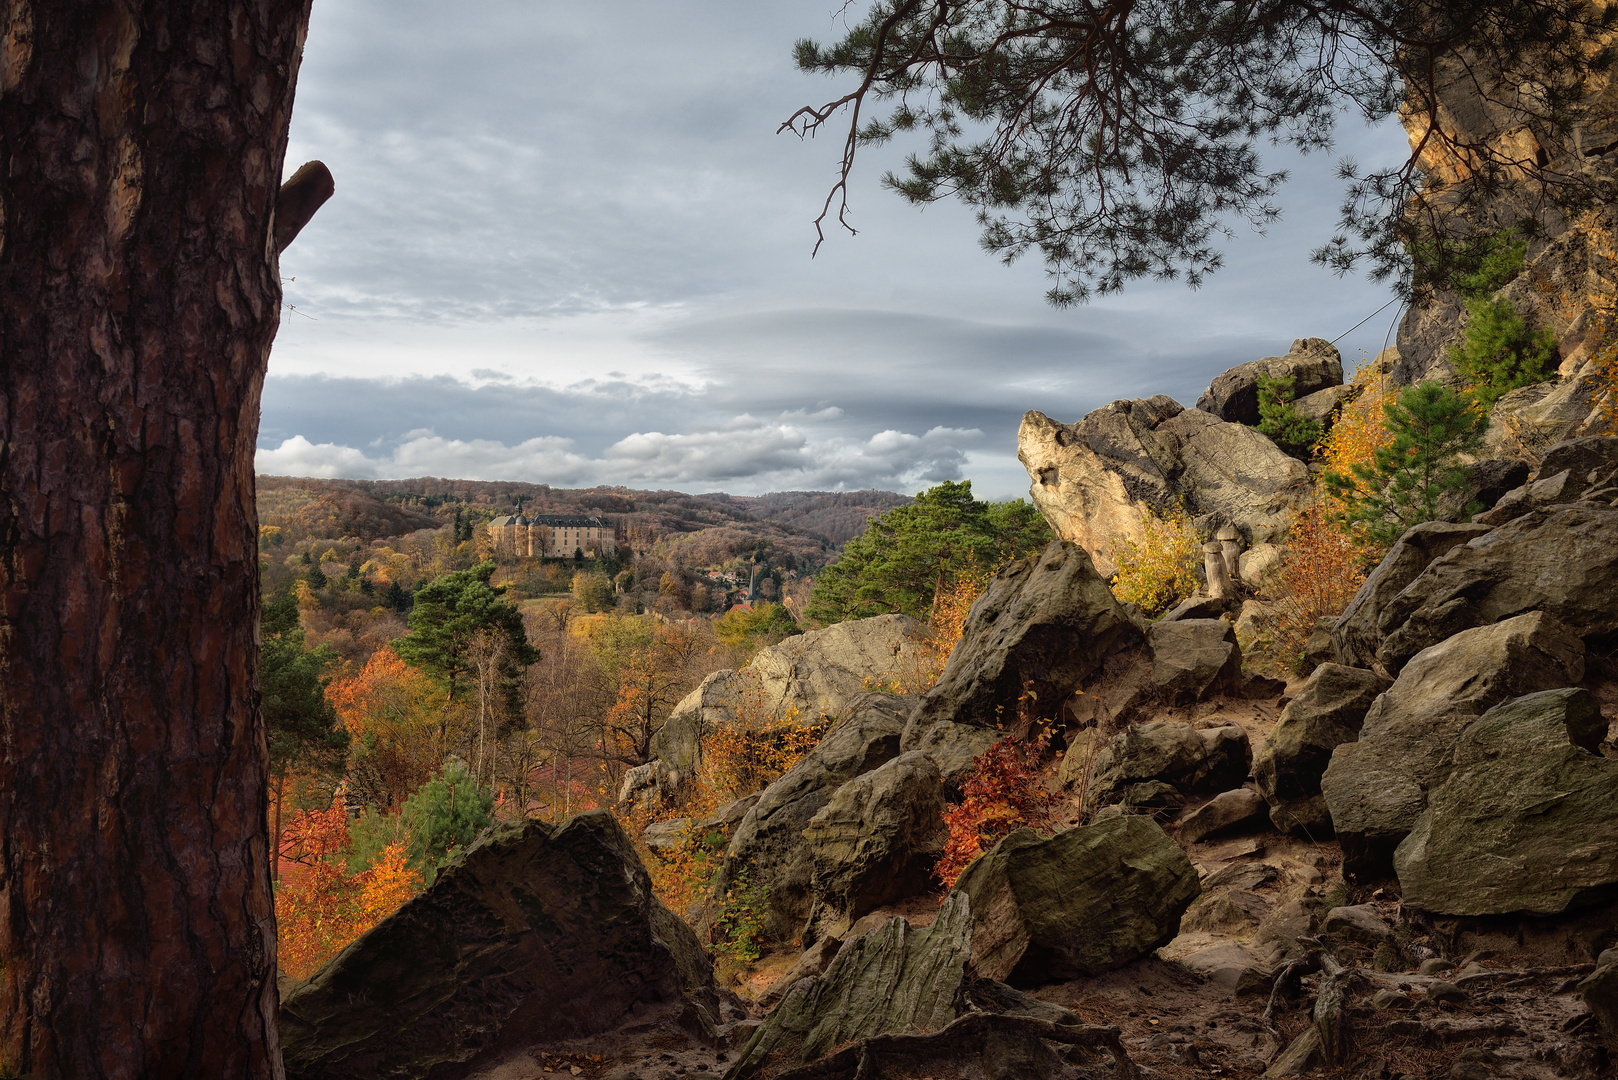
x=876, y=841
x=1084, y=901
x=1314, y=364
x=1562, y=561
x=1043, y=624
x=1527, y=818
x=1355, y=636
x=900, y=1001
x=1327, y=712
x=768, y=848
x=1097, y=480
x=813, y=674
x=1168, y=753
x=1193, y=659
x=536, y=933
x=1377, y=787
x=894, y=979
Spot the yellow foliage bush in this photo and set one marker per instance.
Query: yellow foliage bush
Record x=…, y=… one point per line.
x=1161, y=569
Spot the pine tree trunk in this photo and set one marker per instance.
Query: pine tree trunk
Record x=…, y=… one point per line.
x=141, y=148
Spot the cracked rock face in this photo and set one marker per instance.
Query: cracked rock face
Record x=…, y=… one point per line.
x=1527, y=818
x=1377, y=787
x=1097, y=480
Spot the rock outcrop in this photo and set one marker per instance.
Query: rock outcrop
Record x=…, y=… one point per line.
x=1313, y=363
x=1193, y=659
x=1562, y=561
x=1377, y=787
x=1084, y=901
x=535, y=933
x=1328, y=711
x=901, y=1002
x=1095, y=481
x=1526, y=819
x=1166, y=753
x=1356, y=635
x=768, y=847
x=1044, y=623
x=894, y=979
x=876, y=841
x=814, y=674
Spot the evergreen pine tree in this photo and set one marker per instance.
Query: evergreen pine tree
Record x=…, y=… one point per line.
x=906, y=555
x=448, y=613
x=1280, y=420
x=1415, y=478
x=396, y=599
x=317, y=579
x=1500, y=351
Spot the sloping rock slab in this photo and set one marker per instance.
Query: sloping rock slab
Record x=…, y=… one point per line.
x=878, y=838
x=537, y=932
x=1043, y=624
x=1327, y=712
x=894, y=979
x=1354, y=635
x=1528, y=819
x=1562, y=560
x=768, y=845
x=1377, y=787
x=893, y=1001
x=1084, y=901
x=816, y=674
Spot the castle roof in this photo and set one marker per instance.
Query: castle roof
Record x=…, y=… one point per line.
x=568, y=521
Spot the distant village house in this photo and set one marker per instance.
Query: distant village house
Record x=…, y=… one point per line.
x=552, y=536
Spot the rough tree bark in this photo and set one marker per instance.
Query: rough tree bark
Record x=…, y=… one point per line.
x=141, y=144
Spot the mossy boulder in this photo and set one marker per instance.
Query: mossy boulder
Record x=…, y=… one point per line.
x=1527, y=818
x=1084, y=901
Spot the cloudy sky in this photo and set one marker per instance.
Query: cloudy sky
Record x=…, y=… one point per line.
x=568, y=247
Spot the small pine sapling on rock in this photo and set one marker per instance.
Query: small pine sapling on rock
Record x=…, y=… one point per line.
x=1411, y=479
x=1280, y=419
x=1500, y=352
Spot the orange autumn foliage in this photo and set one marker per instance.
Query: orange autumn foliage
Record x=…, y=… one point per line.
x=321, y=909
x=395, y=716
x=1327, y=558
x=1003, y=793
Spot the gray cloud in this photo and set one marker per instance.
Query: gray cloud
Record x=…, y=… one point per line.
x=567, y=243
